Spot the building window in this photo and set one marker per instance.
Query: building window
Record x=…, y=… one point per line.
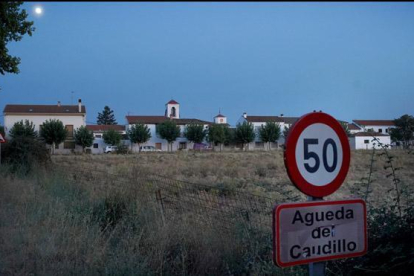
x=95, y=146
x=173, y=111
x=69, y=129
x=386, y=130
x=366, y=141
x=182, y=146
x=221, y=120
x=98, y=136
x=380, y=130
x=69, y=145
x=158, y=146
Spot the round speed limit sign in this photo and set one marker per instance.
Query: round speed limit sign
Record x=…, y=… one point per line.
x=317, y=154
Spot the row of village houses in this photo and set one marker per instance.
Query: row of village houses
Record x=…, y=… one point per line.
x=74, y=116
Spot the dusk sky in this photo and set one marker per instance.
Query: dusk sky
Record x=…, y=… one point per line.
x=351, y=60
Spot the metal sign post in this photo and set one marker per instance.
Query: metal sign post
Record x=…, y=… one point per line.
x=317, y=268
x=317, y=158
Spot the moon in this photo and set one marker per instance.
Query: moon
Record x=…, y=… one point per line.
x=38, y=10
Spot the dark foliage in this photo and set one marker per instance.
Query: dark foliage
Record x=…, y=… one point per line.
x=390, y=245
x=107, y=117
x=23, y=153
x=109, y=212
x=13, y=26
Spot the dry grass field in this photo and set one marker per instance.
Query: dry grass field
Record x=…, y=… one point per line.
x=84, y=215
x=262, y=173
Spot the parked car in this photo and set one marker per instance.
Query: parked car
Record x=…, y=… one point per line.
x=148, y=148
x=109, y=149
x=201, y=146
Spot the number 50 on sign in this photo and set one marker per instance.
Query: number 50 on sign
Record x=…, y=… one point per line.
x=317, y=154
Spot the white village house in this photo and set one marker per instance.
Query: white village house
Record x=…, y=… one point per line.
x=172, y=112
x=72, y=117
x=380, y=126
x=365, y=140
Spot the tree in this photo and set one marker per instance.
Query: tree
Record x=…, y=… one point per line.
x=404, y=129
x=195, y=133
x=346, y=128
x=13, y=26
x=2, y=131
x=23, y=129
x=107, y=117
x=139, y=134
x=83, y=137
x=112, y=137
x=53, y=132
x=286, y=130
x=270, y=132
x=244, y=133
x=219, y=133
x=169, y=131
x=396, y=135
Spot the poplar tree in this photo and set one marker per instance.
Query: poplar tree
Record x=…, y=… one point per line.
x=270, y=132
x=195, y=133
x=244, y=133
x=53, y=132
x=169, y=131
x=139, y=134
x=83, y=137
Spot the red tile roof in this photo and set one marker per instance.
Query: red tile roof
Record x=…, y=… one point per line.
x=43, y=109
x=353, y=127
x=276, y=119
x=368, y=134
x=172, y=102
x=102, y=128
x=146, y=119
x=191, y=121
x=374, y=122
x=220, y=116
x=159, y=119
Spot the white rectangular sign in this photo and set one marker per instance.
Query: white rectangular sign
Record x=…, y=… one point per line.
x=319, y=230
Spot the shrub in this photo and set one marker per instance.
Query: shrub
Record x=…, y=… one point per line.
x=109, y=212
x=23, y=129
x=122, y=149
x=390, y=240
x=22, y=153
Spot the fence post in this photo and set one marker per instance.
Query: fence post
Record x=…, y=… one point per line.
x=161, y=204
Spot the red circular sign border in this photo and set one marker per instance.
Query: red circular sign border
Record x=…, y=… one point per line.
x=290, y=156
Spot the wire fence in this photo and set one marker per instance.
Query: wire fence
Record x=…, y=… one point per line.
x=215, y=205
